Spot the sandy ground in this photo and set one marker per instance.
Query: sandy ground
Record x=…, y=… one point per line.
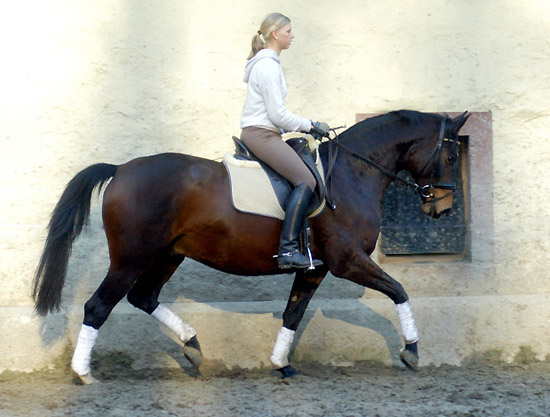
x=363, y=390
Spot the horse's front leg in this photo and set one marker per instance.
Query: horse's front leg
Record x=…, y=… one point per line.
x=305, y=285
x=370, y=275
x=409, y=355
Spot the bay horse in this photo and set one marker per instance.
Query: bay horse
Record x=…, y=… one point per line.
x=160, y=209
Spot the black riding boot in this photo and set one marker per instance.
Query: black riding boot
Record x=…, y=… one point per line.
x=289, y=249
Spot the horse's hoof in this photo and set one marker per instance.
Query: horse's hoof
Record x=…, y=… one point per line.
x=87, y=379
x=288, y=372
x=409, y=359
x=192, y=351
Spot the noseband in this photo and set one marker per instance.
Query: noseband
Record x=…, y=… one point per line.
x=425, y=191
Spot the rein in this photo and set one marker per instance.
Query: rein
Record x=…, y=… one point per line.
x=422, y=190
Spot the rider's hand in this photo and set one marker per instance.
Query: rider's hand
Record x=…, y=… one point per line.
x=321, y=128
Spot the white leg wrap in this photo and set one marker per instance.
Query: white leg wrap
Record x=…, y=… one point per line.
x=184, y=331
x=408, y=326
x=279, y=357
x=83, y=352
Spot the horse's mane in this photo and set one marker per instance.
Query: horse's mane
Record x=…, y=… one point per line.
x=375, y=130
x=407, y=117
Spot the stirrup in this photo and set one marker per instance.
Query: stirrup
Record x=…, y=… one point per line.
x=313, y=263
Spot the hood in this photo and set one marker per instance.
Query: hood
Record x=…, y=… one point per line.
x=264, y=53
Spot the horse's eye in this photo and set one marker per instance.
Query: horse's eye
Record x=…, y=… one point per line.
x=451, y=159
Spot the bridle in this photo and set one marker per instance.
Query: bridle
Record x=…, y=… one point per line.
x=436, y=153
x=425, y=191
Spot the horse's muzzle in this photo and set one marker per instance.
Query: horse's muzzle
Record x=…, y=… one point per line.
x=439, y=204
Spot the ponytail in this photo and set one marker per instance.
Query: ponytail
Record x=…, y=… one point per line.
x=259, y=42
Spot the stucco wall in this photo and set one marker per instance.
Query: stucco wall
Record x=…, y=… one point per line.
x=107, y=81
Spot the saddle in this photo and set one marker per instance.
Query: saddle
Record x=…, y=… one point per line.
x=281, y=188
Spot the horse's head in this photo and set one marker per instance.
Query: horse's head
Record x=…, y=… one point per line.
x=434, y=164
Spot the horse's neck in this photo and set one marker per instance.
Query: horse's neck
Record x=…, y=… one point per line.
x=386, y=153
x=362, y=177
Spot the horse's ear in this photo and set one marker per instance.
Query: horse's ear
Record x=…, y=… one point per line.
x=459, y=121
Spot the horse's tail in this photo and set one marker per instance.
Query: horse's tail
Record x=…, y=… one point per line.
x=69, y=216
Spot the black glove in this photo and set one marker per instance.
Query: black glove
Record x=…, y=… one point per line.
x=321, y=129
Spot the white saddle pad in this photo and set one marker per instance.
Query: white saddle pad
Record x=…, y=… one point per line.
x=251, y=190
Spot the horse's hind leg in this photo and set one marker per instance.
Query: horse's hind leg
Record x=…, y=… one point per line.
x=305, y=285
x=144, y=295
x=114, y=287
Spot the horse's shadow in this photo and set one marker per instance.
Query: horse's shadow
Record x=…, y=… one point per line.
x=364, y=317
x=277, y=288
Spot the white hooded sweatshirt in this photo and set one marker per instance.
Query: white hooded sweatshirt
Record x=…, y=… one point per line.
x=266, y=95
